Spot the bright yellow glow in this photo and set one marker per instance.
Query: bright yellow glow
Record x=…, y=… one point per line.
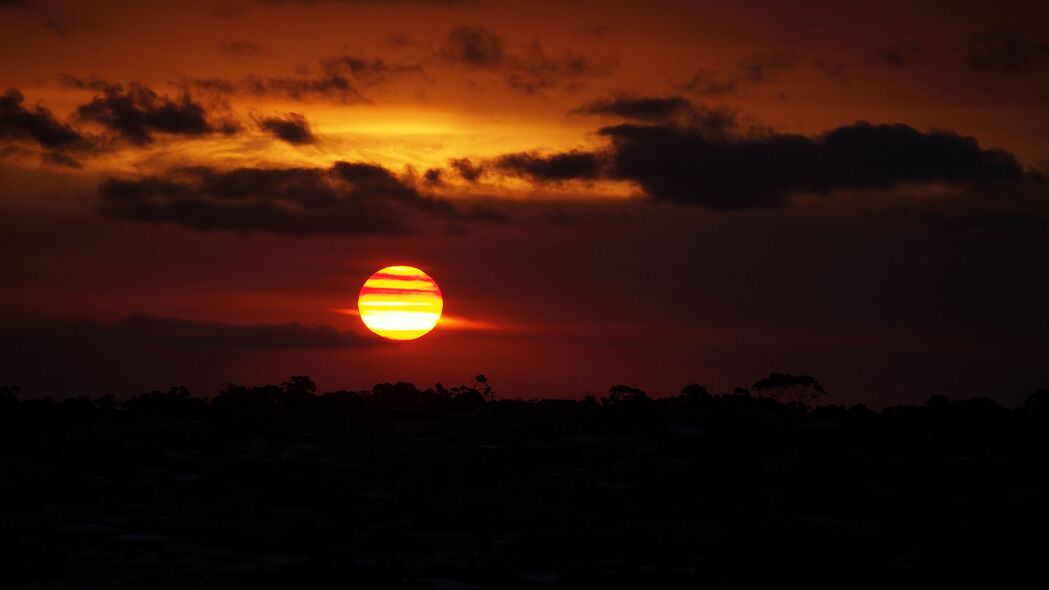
x=400, y=303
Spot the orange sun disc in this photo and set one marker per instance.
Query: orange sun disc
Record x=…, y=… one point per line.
x=400, y=303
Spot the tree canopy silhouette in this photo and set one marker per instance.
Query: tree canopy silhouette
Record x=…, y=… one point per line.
x=801, y=389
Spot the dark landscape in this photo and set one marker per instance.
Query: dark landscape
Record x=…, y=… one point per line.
x=286, y=487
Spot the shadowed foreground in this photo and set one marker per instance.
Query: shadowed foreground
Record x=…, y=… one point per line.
x=282, y=487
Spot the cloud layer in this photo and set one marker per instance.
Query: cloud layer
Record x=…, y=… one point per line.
x=347, y=199
x=136, y=114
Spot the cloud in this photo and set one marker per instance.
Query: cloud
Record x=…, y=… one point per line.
x=691, y=166
x=707, y=82
x=61, y=159
x=292, y=128
x=343, y=78
x=371, y=72
x=433, y=177
x=106, y=356
x=329, y=85
x=834, y=69
x=899, y=56
x=466, y=169
x=55, y=18
x=653, y=108
x=1004, y=52
x=197, y=333
x=240, y=49
x=530, y=71
x=756, y=68
x=574, y=165
x=534, y=71
x=139, y=112
x=475, y=46
x=36, y=125
x=145, y=351
x=348, y=199
x=760, y=66
x=708, y=159
x=670, y=110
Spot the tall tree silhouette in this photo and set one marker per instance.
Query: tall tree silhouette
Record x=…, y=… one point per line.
x=784, y=387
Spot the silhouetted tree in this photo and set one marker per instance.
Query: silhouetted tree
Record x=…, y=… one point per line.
x=177, y=402
x=1038, y=402
x=624, y=395
x=106, y=404
x=298, y=392
x=937, y=402
x=480, y=383
x=465, y=396
x=401, y=393
x=441, y=392
x=800, y=389
x=694, y=394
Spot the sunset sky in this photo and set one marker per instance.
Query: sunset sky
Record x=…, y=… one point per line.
x=648, y=193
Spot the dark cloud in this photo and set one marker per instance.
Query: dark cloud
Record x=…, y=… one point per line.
x=755, y=68
x=1004, y=52
x=592, y=30
x=292, y=128
x=433, y=177
x=348, y=199
x=707, y=158
x=370, y=72
x=61, y=159
x=216, y=85
x=37, y=125
x=898, y=56
x=575, y=165
x=639, y=109
x=197, y=333
x=753, y=171
x=834, y=69
x=240, y=49
x=530, y=71
x=58, y=19
x=760, y=66
x=151, y=350
x=475, y=46
x=342, y=78
x=329, y=85
x=139, y=112
x=467, y=170
x=709, y=83
x=674, y=110
x=535, y=71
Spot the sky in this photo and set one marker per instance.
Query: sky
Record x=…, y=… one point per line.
x=651, y=194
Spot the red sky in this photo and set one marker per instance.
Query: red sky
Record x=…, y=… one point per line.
x=607, y=192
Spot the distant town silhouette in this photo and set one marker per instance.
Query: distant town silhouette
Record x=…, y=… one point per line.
x=399, y=487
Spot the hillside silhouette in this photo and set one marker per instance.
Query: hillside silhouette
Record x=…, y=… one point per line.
x=282, y=486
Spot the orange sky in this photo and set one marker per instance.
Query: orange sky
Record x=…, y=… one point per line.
x=593, y=276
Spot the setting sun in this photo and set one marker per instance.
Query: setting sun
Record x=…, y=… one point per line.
x=400, y=303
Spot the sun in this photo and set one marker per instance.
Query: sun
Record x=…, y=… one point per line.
x=400, y=303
